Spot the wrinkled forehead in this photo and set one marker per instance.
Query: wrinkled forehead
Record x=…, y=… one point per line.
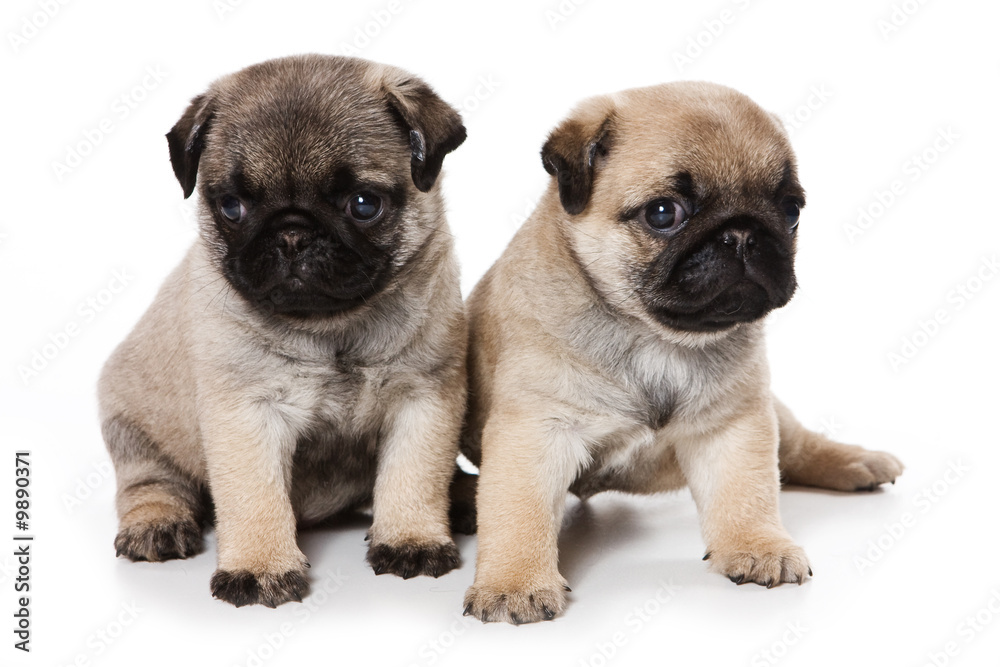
x=295, y=127
x=717, y=137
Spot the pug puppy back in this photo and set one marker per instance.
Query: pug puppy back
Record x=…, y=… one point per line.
x=308, y=354
x=618, y=344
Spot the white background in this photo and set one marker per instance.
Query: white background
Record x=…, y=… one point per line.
x=884, y=99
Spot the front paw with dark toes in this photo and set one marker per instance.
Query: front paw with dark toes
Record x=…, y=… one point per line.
x=242, y=587
x=411, y=560
x=159, y=541
x=766, y=563
x=497, y=604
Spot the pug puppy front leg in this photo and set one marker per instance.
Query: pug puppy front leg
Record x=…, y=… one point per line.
x=410, y=535
x=248, y=452
x=524, y=476
x=733, y=476
x=812, y=459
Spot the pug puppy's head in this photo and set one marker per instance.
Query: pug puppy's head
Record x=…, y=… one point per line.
x=316, y=176
x=683, y=205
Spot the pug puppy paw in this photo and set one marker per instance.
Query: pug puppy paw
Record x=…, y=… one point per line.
x=159, y=540
x=868, y=471
x=766, y=561
x=492, y=603
x=242, y=587
x=812, y=459
x=411, y=560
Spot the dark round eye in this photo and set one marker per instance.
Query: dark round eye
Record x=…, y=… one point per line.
x=364, y=207
x=233, y=209
x=664, y=214
x=791, y=209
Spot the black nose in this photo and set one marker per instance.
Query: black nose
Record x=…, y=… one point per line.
x=740, y=239
x=293, y=240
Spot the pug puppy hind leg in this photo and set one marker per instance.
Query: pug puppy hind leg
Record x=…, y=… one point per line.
x=812, y=459
x=520, y=509
x=732, y=474
x=161, y=509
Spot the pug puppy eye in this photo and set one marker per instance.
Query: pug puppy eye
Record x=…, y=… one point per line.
x=664, y=215
x=364, y=207
x=791, y=210
x=232, y=209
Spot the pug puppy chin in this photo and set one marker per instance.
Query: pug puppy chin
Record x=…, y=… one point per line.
x=618, y=344
x=306, y=358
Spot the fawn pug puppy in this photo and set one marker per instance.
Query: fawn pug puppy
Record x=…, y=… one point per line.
x=618, y=344
x=308, y=354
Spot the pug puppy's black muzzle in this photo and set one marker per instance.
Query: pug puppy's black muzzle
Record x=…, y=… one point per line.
x=738, y=272
x=302, y=267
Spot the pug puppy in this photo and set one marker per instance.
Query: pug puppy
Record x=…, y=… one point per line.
x=308, y=355
x=618, y=344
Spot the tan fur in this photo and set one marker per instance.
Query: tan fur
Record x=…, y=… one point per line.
x=282, y=421
x=569, y=372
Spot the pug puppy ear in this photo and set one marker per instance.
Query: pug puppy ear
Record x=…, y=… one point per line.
x=572, y=148
x=186, y=139
x=435, y=128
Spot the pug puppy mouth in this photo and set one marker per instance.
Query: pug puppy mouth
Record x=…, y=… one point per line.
x=743, y=301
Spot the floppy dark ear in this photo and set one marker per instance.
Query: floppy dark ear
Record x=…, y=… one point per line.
x=571, y=148
x=435, y=128
x=186, y=140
